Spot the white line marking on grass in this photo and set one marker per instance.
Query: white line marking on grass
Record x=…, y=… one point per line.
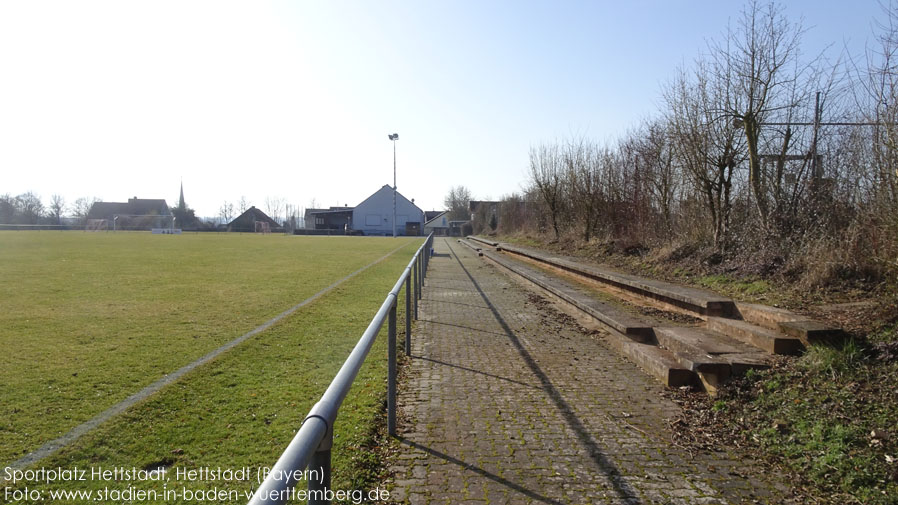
x=54, y=445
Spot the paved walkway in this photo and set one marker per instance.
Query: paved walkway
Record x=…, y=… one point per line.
x=509, y=402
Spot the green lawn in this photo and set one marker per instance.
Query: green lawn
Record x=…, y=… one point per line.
x=89, y=319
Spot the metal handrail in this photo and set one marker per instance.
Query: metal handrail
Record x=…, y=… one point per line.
x=311, y=447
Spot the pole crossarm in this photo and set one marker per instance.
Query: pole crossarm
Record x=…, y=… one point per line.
x=836, y=123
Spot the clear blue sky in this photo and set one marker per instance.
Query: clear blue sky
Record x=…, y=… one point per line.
x=295, y=100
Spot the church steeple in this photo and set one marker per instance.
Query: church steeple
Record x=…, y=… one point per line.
x=181, y=204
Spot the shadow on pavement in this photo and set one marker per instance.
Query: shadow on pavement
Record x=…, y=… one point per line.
x=470, y=328
x=480, y=471
x=620, y=485
x=474, y=371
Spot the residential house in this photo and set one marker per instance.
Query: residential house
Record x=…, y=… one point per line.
x=251, y=221
x=374, y=216
x=334, y=218
x=135, y=214
x=437, y=223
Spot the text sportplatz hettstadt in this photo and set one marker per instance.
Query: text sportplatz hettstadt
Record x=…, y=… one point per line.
x=124, y=474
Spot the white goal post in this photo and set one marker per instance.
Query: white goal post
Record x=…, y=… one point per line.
x=262, y=227
x=143, y=222
x=96, y=225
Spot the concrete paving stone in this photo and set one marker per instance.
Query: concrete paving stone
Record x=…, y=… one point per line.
x=398, y=494
x=419, y=472
x=405, y=483
x=418, y=499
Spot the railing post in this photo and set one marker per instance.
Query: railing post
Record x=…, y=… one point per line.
x=408, y=314
x=427, y=246
x=391, y=372
x=417, y=291
x=321, y=461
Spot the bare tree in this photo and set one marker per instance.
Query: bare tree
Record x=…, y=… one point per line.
x=57, y=206
x=243, y=204
x=292, y=218
x=274, y=207
x=8, y=209
x=758, y=61
x=30, y=208
x=547, y=174
x=515, y=213
x=457, y=203
x=879, y=84
x=583, y=161
x=226, y=212
x=81, y=207
x=708, y=146
x=653, y=146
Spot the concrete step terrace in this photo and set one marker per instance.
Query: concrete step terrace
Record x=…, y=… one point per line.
x=766, y=339
x=699, y=301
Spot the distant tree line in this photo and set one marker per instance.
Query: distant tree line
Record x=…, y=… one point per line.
x=28, y=208
x=736, y=164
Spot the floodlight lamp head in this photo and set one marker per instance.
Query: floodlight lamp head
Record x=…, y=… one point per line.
x=394, y=136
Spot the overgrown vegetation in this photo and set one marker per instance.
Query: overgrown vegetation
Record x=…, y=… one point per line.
x=827, y=420
x=742, y=167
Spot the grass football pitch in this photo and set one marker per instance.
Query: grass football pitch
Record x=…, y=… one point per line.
x=91, y=318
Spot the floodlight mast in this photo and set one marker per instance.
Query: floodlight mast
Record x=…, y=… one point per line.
x=394, y=137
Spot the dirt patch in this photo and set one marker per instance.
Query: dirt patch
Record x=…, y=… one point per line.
x=860, y=318
x=553, y=317
x=676, y=317
x=537, y=300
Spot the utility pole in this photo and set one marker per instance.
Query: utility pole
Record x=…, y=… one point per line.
x=394, y=137
x=816, y=169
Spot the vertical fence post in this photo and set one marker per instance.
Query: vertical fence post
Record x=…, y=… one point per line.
x=321, y=462
x=417, y=290
x=418, y=266
x=427, y=246
x=408, y=314
x=391, y=381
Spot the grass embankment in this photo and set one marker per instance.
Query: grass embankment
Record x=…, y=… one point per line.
x=152, y=304
x=829, y=418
